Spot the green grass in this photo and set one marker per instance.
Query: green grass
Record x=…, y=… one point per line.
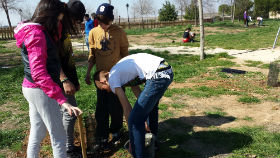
x=246, y=38
x=4, y=115
x=3, y=42
x=264, y=144
x=178, y=106
x=9, y=138
x=249, y=99
x=224, y=24
x=247, y=118
x=163, y=107
x=162, y=30
x=166, y=114
x=10, y=87
x=179, y=138
x=215, y=113
x=251, y=63
x=264, y=66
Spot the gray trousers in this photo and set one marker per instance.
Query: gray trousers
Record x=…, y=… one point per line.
x=44, y=114
x=69, y=122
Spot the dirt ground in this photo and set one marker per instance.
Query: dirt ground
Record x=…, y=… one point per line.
x=152, y=37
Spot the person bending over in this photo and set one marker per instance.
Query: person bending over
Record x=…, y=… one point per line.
x=132, y=71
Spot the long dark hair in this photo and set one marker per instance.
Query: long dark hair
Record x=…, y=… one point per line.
x=46, y=14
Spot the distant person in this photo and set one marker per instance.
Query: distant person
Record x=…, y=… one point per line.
x=188, y=36
x=249, y=18
x=39, y=43
x=260, y=21
x=88, y=26
x=94, y=18
x=245, y=16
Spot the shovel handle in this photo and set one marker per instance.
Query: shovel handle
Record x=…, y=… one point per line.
x=82, y=136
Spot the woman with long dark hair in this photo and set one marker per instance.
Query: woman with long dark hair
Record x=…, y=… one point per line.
x=39, y=42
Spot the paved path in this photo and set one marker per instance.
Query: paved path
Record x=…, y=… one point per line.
x=266, y=55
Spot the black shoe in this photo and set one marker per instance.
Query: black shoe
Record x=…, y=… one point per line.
x=102, y=145
x=156, y=145
x=116, y=139
x=74, y=152
x=74, y=149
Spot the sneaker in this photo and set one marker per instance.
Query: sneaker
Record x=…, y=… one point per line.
x=102, y=145
x=116, y=139
x=149, y=145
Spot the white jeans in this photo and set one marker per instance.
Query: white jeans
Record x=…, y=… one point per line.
x=44, y=114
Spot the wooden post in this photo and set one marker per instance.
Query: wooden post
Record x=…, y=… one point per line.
x=5, y=34
x=272, y=79
x=119, y=20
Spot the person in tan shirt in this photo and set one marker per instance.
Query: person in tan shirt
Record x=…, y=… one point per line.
x=108, y=44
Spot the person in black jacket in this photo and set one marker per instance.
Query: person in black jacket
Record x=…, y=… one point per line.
x=188, y=35
x=68, y=75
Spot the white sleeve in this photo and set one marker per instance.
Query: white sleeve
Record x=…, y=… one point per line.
x=114, y=82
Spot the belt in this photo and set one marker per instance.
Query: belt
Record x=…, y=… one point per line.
x=163, y=66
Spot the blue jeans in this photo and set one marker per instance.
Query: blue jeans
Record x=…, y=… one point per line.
x=86, y=40
x=146, y=106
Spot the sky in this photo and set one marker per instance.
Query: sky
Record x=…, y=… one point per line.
x=120, y=8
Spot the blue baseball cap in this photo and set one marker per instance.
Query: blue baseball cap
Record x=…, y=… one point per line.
x=106, y=9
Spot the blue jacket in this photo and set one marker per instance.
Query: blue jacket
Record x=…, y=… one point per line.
x=88, y=26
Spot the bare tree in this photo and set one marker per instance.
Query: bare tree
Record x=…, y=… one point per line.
x=182, y=4
x=143, y=8
x=209, y=6
x=25, y=13
x=202, y=54
x=8, y=5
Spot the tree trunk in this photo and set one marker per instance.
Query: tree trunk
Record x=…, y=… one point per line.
x=202, y=55
x=4, y=6
x=233, y=11
x=273, y=74
x=195, y=21
x=142, y=22
x=181, y=13
x=223, y=15
x=9, y=21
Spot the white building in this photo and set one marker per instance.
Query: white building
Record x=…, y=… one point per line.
x=274, y=15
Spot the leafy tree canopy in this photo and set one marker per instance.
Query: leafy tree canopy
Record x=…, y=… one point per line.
x=191, y=11
x=168, y=12
x=224, y=8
